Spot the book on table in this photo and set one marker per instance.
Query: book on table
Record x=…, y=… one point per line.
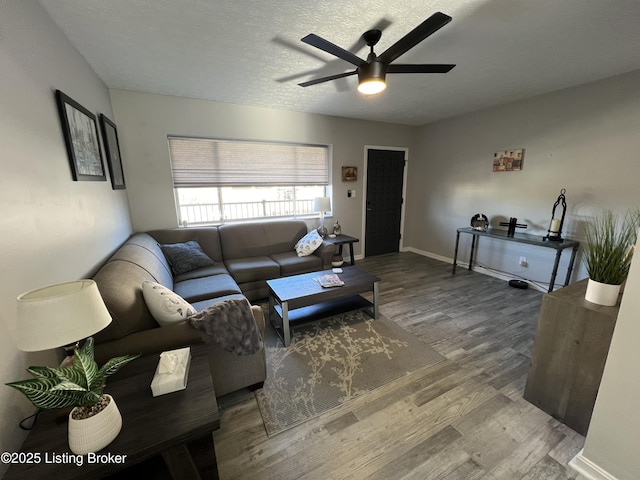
x=329, y=280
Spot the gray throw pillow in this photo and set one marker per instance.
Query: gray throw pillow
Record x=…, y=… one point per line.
x=184, y=257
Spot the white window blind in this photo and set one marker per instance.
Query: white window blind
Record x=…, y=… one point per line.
x=200, y=162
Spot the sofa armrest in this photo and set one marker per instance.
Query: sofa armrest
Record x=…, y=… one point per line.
x=325, y=252
x=158, y=340
x=147, y=342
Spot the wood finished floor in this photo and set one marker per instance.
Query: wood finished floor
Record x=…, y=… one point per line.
x=463, y=418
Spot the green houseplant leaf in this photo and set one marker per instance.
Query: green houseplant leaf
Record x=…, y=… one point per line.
x=79, y=385
x=610, y=240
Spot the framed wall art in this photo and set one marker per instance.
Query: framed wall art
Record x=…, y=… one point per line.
x=112, y=151
x=81, y=138
x=508, y=160
x=349, y=174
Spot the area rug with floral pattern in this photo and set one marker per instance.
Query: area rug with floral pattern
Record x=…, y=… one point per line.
x=331, y=362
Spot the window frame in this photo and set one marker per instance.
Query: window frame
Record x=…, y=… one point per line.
x=328, y=187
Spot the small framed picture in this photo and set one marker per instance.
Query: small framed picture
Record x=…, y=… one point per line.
x=508, y=160
x=112, y=150
x=349, y=174
x=81, y=138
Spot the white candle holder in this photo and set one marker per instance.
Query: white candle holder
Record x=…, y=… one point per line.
x=554, y=233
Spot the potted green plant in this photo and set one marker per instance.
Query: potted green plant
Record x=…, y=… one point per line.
x=610, y=242
x=95, y=420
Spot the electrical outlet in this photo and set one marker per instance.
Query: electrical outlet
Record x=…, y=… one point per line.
x=523, y=262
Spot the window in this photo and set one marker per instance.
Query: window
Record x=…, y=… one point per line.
x=218, y=180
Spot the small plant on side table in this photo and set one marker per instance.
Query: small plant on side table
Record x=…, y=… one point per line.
x=81, y=386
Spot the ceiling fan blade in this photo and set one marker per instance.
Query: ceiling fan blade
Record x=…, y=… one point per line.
x=415, y=36
x=290, y=44
x=327, y=46
x=326, y=79
x=432, y=68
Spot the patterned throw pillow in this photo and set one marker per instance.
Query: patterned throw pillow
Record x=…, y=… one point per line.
x=309, y=243
x=166, y=306
x=184, y=257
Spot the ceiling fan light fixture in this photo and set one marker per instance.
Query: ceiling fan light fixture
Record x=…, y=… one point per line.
x=371, y=87
x=371, y=78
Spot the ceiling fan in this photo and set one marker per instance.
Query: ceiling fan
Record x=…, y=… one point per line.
x=372, y=71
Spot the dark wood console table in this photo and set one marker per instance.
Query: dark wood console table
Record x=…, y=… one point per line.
x=151, y=426
x=536, y=240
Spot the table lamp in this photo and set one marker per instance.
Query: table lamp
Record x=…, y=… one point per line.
x=60, y=315
x=322, y=205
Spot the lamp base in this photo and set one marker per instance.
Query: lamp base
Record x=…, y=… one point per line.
x=549, y=238
x=322, y=231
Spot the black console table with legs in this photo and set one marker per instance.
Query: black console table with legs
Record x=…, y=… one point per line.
x=536, y=240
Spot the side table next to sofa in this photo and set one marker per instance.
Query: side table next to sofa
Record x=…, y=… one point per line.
x=341, y=240
x=151, y=426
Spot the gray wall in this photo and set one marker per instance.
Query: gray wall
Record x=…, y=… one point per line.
x=584, y=139
x=145, y=120
x=53, y=229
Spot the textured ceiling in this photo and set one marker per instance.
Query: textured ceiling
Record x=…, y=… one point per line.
x=249, y=52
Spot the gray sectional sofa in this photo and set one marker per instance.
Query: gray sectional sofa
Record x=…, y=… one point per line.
x=245, y=255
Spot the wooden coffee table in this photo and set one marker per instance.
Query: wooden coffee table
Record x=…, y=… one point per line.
x=151, y=426
x=301, y=298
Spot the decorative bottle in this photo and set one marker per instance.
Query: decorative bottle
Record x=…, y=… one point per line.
x=337, y=229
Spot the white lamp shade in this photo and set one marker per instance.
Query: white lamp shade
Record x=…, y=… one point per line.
x=60, y=315
x=322, y=204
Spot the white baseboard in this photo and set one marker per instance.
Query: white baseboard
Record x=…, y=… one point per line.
x=588, y=469
x=463, y=265
x=432, y=255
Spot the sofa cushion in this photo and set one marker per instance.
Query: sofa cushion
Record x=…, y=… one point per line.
x=308, y=244
x=291, y=264
x=184, y=257
x=166, y=306
x=207, y=237
x=204, y=288
x=216, y=269
x=282, y=235
x=202, y=304
x=144, y=251
x=243, y=240
x=253, y=268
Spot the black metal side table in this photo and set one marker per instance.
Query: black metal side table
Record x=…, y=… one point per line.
x=340, y=241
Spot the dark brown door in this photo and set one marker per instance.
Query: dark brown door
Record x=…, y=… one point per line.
x=385, y=176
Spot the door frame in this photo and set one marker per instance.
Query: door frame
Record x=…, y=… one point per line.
x=364, y=193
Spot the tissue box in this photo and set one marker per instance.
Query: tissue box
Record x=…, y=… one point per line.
x=163, y=383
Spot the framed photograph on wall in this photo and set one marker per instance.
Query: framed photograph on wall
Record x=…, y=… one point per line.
x=508, y=160
x=81, y=138
x=349, y=174
x=112, y=151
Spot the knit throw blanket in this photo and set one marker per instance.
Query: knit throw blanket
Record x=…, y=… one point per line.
x=229, y=324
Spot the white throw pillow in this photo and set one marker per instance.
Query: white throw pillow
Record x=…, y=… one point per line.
x=166, y=306
x=309, y=243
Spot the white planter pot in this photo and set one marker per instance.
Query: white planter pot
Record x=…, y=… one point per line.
x=94, y=433
x=602, y=293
